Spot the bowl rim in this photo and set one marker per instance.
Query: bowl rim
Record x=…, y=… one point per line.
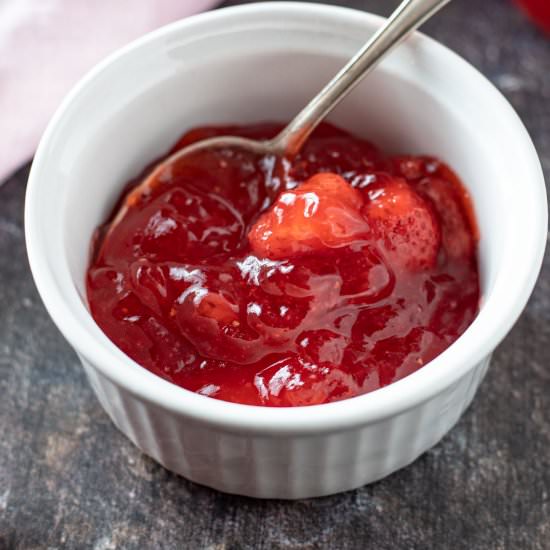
x=386, y=402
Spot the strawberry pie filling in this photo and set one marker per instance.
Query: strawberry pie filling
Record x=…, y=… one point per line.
x=285, y=282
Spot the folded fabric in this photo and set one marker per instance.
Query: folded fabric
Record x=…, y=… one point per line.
x=47, y=45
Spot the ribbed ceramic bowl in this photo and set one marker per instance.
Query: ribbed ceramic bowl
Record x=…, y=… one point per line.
x=262, y=62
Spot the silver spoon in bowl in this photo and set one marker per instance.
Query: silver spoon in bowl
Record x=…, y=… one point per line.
x=408, y=16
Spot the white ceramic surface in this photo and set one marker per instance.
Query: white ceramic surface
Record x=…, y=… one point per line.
x=261, y=62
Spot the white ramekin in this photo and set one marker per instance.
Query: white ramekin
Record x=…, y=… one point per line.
x=261, y=62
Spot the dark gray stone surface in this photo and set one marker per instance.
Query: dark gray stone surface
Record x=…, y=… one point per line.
x=69, y=479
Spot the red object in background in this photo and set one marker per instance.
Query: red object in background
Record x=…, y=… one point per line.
x=539, y=10
x=300, y=284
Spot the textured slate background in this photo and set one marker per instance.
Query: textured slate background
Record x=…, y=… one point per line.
x=69, y=479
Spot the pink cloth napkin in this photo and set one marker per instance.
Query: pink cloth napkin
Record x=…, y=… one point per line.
x=47, y=45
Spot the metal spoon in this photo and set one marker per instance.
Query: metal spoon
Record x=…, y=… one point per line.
x=409, y=15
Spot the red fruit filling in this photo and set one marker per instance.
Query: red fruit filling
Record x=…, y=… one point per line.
x=289, y=282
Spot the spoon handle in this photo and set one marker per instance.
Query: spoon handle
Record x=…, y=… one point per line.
x=408, y=16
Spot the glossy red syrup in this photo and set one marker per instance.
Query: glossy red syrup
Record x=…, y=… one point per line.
x=289, y=283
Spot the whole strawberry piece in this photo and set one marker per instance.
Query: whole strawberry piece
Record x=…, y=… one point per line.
x=403, y=222
x=324, y=212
